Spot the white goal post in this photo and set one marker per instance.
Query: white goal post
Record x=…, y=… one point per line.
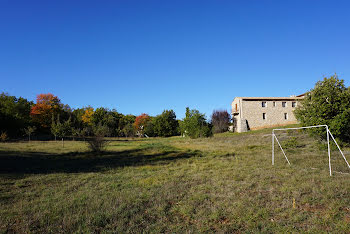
x=318, y=126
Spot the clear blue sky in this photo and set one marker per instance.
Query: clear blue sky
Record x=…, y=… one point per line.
x=147, y=56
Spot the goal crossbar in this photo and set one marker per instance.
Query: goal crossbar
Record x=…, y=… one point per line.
x=274, y=137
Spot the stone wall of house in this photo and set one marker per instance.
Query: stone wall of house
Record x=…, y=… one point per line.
x=236, y=116
x=253, y=111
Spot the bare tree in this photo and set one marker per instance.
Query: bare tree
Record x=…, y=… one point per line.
x=220, y=120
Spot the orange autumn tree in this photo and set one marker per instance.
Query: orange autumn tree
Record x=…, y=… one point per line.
x=47, y=106
x=140, y=123
x=87, y=116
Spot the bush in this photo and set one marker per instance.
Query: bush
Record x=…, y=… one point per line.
x=98, y=143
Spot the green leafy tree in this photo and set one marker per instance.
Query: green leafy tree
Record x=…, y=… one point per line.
x=14, y=114
x=76, y=132
x=108, y=118
x=61, y=129
x=55, y=127
x=149, y=129
x=29, y=131
x=87, y=131
x=327, y=103
x=124, y=123
x=166, y=125
x=101, y=130
x=80, y=116
x=195, y=125
x=98, y=116
x=128, y=130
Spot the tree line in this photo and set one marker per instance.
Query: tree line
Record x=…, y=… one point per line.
x=48, y=117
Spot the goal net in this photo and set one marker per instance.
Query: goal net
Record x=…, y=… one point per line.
x=295, y=146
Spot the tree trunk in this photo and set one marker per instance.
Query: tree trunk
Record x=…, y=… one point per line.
x=62, y=143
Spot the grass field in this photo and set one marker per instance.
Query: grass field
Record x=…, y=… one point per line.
x=221, y=184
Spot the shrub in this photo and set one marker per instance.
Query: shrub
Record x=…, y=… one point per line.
x=98, y=143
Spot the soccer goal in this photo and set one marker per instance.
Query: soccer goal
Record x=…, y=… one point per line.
x=329, y=134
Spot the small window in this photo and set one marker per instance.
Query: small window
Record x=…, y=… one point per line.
x=263, y=104
x=294, y=104
x=274, y=104
x=284, y=104
x=236, y=107
x=264, y=115
x=285, y=115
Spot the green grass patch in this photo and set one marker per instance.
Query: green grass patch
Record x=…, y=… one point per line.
x=221, y=184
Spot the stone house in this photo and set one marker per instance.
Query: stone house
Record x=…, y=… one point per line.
x=249, y=113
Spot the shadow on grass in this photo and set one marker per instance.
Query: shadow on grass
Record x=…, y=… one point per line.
x=12, y=162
